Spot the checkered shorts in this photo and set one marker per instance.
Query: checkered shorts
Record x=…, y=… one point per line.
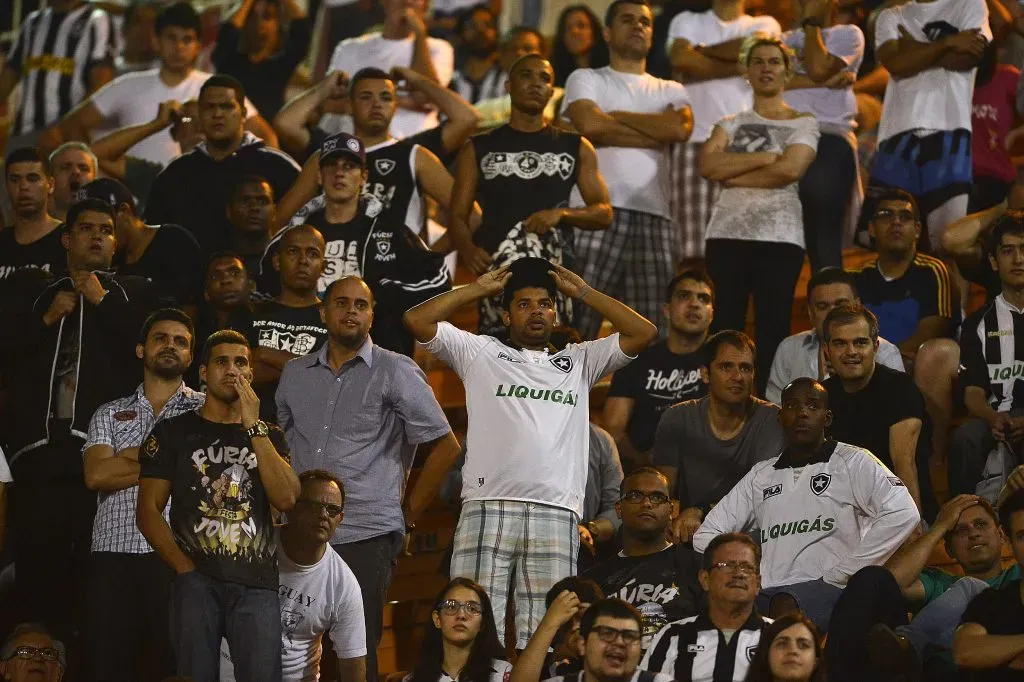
x=692, y=198
x=632, y=261
x=523, y=546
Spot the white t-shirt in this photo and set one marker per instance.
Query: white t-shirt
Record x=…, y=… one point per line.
x=5, y=471
x=324, y=597
x=133, y=99
x=374, y=50
x=756, y=214
x=714, y=100
x=529, y=415
x=831, y=107
x=637, y=179
x=934, y=99
x=501, y=671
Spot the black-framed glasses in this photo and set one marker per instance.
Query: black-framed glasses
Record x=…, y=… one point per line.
x=451, y=607
x=638, y=496
x=607, y=634
x=887, y=215
x=333, y=510
x=30, y=653
x=740, y=567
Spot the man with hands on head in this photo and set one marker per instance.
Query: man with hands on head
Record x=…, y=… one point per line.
x=526, y=463
x=222, y=468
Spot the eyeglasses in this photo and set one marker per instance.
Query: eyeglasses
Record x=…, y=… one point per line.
x=741, y=567
x=638, y=496
x=609, y=635
x=886, y=215
x=333, y=510
x=29, y=653
x=451, y=607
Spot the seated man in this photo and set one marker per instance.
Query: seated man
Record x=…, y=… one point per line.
x=731, y=579
x=803, y=354
x=876, y=599
x=874, y=407
x=989, y=364
x=908, y=291
x=812, y=541
x=31, y=653
x=705, y=446
x=990, y=639
x=318, y=592
x=651, y=573
x=663, y=374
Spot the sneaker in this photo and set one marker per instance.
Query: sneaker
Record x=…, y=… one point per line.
x=893, y=655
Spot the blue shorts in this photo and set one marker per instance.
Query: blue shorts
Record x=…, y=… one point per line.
x=934, y=167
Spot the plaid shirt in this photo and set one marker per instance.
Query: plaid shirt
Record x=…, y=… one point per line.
x=124, y=423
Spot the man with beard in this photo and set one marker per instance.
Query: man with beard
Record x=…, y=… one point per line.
x=129, y=585
x=652, y=574
x=479, y=77
x=288, y=325
x=360, y=412
x=524, y=173
x=226, y=288
x=32, y=240
x=664, y=374
x=71, y=165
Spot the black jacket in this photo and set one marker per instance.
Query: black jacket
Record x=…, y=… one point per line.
x=107, y=366
x=194, y=190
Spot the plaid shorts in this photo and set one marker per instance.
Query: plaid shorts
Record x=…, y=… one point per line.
x=525, y=546
x=692, y=198
x=632, y=261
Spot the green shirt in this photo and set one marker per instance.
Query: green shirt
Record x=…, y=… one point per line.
x=936, y=581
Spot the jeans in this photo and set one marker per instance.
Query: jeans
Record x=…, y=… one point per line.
x=931, y=631
x=373, y=563
x=816, y=598
x=968, y=451
x=204, y=609
x=825, y=192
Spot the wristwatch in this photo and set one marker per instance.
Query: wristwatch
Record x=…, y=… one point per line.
x=257, y=430
x=811, y=21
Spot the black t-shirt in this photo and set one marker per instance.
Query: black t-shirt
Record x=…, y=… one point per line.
x=220, y=515
x=343, y=253
x=899, y=304
x=174, y=263
x=46, y=254
x=1000, y=612
x=269, y=324
x=663, y=586
x=656, y=380
x=865, y=417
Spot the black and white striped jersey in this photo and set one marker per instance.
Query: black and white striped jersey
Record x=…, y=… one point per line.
x=694, y=650
x=992, y=353
x=53, y=54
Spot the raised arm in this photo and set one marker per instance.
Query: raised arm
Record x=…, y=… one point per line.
x=291, y=121
x=302, y=190
x=963, y=239
x=77, y=124
x=110, y=150
x=461, y=209
x=529, y=666
x=671, y=125
x=421, y=59
x=240, y=14
x=279, y=479
x=719, y=165
x=421, y=320
x=602, y=129
x=819, y=63
x=463, y=118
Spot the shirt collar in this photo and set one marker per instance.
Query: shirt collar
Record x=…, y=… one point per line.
x=754, y=621
x=183, y=391
x=1012, y=308
x=822, y=455
x=811, y=339
x=365, y=352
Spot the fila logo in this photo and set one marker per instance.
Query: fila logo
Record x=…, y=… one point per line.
x=694, y=648
x=819, y=483
x=563, y=363
x=895, y=482
x=509, y=358
x=771, y=491
x=384, y=166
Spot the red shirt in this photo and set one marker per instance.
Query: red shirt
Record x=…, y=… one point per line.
x=993, y=115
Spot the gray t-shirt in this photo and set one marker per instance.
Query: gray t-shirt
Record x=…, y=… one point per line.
x=754, y=214
x=708, y=468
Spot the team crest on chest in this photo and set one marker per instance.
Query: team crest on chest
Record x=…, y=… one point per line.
x=562, y=362
x=751, y=652
x=819, y=483
x=383, y=247
x=384, y=166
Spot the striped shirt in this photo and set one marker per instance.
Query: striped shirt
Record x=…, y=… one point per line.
x=992, y=353
x=694, y=650
x=53, y=54
x=121, y=424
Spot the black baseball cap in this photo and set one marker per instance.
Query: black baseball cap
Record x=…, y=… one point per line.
x=108, y=190
x=529, y=272
x=343, y=144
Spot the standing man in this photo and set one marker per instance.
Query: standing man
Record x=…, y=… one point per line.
x=129, y=585
x=359, y=411
x=632, y=117
x=803, y=354
x=931, y=49
x=289, y=325
x=719, y=642
x=69, y=347
x=705, y=445
x=62, y=53
x=252, y=212
x=223, y=468
x=666, y=373
x=32, y=240
x=526, y=466
x=524, y=173
x=71, y=165
x=704, y=51
x=877, y=408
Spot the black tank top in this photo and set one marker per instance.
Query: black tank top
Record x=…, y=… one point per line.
x=522, y=173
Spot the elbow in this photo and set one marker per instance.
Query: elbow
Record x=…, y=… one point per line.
x=606, y=215
x=709, y=172
x=962, y=651
x=93, y=481
x=649, y=333
x=819, y=73
x=410, y=320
